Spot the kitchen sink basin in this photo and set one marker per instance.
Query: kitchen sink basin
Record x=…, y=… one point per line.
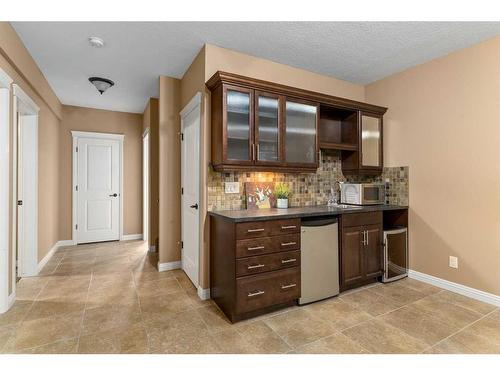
x=346, y=206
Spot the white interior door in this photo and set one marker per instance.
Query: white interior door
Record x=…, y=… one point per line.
x=98, y=190
x=190, y=171
x=145, y=187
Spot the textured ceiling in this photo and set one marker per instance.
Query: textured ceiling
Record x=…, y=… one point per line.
x=136, y=53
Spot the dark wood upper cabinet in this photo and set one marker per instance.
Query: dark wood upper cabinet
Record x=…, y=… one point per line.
x=300, y=133
x=367, y=157
x=268, y=129
x=264, y=126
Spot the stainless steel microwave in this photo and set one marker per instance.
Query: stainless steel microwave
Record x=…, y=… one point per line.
x=362, y=194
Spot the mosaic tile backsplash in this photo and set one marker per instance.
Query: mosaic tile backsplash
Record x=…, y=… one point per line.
x=308, y=189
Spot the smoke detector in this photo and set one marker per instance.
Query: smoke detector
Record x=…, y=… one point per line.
x=96, y=42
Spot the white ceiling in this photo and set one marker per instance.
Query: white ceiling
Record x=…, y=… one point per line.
x=136, y=53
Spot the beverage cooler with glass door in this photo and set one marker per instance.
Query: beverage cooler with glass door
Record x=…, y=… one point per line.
x=395, y=254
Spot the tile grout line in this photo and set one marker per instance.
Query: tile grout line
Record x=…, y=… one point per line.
x=462, y=329
x=84, y=311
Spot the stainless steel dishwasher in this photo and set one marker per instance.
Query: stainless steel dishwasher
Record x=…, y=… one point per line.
x=319, y=259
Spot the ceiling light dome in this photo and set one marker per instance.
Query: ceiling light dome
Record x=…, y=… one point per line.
x=101, y=84
x=96, y=42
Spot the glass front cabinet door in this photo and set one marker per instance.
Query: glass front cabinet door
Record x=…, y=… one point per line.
x=301, y=124
x=267, y=128
x=238, y=113
x=371, y=142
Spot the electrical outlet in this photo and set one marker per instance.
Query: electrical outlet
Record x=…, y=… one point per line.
x=231, y=187
x=453, y=262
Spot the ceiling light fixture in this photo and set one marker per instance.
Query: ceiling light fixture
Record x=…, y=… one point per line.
x=101, y=84
x=96, y=42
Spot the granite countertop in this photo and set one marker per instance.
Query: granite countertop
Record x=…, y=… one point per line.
x=297, y=212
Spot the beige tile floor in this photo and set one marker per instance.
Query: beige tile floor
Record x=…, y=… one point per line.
x=109, y=298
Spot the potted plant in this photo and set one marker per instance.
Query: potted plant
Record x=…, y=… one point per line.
x=282, y=193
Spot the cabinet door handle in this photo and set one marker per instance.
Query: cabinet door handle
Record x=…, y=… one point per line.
x=291, y=260
x=255, y=248
x=256, y=266
x=288, y=243
x=288, y=226
x=367, y=238
x=288, y=286
x=257, y=293
x=255, y=230
x=364, y=238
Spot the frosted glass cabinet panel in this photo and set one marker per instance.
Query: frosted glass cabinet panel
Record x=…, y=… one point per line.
x=238, y=112
x=371, y=141
x=267, y=127
x=300, y=132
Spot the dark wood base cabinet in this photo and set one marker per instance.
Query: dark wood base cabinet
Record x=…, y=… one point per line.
x=361, y=250
x=254, y=266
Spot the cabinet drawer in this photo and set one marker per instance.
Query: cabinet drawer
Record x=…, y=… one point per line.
x=265, y=228
x=259, y=291
x=264, y=263
x=362, y=218
x=266, y=245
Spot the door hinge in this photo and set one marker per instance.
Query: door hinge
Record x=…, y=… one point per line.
x=182, y=190
x=182, y=136
x=182, y=244
x=76, y=148
x=19, y=203
x=76, y=188
x=76, y=226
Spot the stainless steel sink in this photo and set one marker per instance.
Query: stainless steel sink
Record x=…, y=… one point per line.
x=346, y=206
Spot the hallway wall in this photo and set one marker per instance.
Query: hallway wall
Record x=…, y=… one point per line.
x=98, y=120
x=16, y=61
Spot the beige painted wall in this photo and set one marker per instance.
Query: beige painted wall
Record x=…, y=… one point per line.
x=150, y=119
x=169, y=167
x=18, y=64
x=227, y=60
x=444, y=123
x=97, y=120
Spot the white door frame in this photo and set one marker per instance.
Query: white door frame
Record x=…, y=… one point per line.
x=6, y=301
x=146, y=192
x=194, y=104
x=80, y=134
x=28, y=251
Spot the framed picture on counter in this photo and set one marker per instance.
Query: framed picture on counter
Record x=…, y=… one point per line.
x=259, y=195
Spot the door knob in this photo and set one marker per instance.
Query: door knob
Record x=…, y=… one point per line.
x=195, y=206
x=113, y=195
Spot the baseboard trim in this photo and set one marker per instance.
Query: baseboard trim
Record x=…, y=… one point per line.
x=47, y=257
x=169, y=266
x=7, y=303
x=204, y=294
x=132, y=237
x=477, y=294
x=63, y=243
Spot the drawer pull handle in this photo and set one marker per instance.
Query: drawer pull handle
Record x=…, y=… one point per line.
x=255, y=230
x=288, y=226
x=257, y=293
x=256, y=266
x=255, y=248
x=288, y=260
x=288, y=243
x=288, y=286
